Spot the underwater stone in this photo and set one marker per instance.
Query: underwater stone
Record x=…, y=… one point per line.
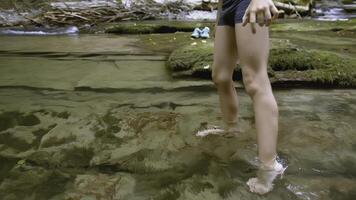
x=12, y=119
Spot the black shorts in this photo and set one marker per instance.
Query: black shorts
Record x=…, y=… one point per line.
x=232, y=12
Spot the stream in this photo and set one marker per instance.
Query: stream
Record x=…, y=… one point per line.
x=99, y=117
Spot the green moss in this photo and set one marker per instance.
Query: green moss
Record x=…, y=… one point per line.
x=282, y=59
x=347, y=1
x=286, y=64
x=187, y=56
x=343, y=74
x=164, y=43
x=313, y=25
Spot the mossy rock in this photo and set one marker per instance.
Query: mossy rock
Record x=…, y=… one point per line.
x=186, y=57
x=347, y=1
x=287, y=64
x=282, y=59
x=313, y=25
x=147, y=28
x=195, y=60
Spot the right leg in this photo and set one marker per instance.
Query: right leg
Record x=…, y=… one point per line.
x=225, y=57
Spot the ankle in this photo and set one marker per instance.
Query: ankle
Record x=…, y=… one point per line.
x=231, y=124
x=232, y=128
x=269, y=164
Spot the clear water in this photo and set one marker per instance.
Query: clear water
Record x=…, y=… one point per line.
x=99, y=117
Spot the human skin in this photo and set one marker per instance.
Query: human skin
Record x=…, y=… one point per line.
x=259, y=11
x=248, y=44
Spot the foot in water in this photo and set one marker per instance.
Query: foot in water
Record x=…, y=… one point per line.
x=226, y=131
x=263, y=183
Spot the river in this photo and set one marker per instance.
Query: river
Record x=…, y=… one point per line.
x=99, y=117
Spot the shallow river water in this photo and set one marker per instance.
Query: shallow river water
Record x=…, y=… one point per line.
x=98, y=117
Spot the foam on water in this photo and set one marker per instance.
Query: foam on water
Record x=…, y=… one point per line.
x=199, y=15
x=333, y=14
x=60, y=31
x=84, y=4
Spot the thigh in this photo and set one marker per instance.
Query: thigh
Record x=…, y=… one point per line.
x=253, y=49
x=225, y=50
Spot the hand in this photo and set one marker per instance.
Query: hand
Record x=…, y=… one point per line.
x=261, y=9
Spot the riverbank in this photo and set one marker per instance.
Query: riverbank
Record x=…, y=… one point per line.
x=301, y=52
x=93, y=13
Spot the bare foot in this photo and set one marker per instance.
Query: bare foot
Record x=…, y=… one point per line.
x=263, y=183
x=231, y=130
x=227, y=131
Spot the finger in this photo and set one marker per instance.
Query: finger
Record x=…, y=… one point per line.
x=245, y=18
x=260, y=18
x=274, y=11
x=253, y=28
x=268, y=17
x=253, y=21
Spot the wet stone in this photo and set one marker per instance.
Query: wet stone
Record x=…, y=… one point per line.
x=12, y=119
x=101, y=186
x=37, y=182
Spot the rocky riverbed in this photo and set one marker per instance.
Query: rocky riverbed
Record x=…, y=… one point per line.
x=100, y=116
x=112, y=115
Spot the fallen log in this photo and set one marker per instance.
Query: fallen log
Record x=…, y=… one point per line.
x=291, y=9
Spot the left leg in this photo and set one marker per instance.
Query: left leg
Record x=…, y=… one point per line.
x=253, y=55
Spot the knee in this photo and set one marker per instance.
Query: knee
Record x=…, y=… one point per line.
x=261, y=86
x=221, y=79
x=255, y=79
x=251, y=85
x=221, y=75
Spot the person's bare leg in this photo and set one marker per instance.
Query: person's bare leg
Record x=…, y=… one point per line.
x=225, y=58
x=253, y=54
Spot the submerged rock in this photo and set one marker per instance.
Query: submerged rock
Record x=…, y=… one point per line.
x=101, y=186
x=143, y=147
x=33, y=182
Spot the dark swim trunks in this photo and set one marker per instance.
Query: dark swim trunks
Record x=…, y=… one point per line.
x=232, y=12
